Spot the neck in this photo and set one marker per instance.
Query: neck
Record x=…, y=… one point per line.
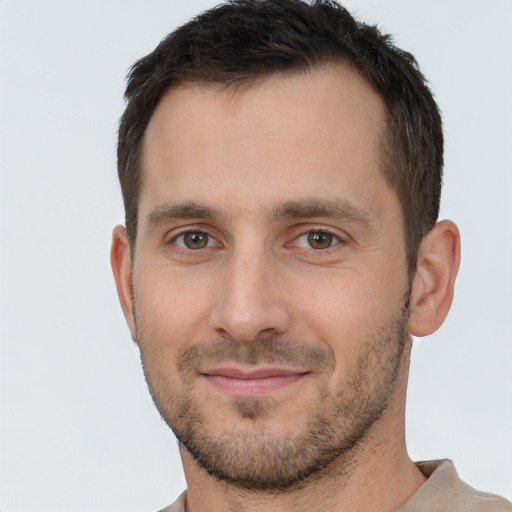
x=378, y=484
x=376, y=475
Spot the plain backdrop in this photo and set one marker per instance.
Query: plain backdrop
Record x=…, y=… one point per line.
x=78, y=430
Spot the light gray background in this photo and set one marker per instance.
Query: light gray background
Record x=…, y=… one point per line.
x=78, y=431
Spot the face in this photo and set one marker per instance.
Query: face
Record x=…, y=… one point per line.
x=269, y=277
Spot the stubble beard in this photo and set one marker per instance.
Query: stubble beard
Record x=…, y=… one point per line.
x=252, y=455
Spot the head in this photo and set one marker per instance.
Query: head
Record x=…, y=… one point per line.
x=280, y=165
x=242, y=42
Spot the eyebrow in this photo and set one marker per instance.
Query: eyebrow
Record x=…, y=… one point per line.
x=187, y=210
x=333, y=209
x=299, y=209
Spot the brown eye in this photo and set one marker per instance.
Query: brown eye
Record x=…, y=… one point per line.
x=193, y=240
x=320, y=239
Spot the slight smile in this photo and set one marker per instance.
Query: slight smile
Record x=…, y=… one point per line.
x=243, y=383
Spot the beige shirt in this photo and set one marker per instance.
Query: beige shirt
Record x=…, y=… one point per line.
x=444, y=491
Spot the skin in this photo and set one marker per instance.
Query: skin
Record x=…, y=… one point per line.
x=326, y=326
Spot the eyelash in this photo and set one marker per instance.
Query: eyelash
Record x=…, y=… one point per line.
x=183, y=234
x=336, y=239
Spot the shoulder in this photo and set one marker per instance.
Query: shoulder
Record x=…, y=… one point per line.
x=179, y=505
x=444, y=490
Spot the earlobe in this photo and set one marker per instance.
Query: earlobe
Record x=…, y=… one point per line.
x=434, y=280
x=122, y=268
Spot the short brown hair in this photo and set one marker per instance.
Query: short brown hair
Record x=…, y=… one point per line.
x=241, y=41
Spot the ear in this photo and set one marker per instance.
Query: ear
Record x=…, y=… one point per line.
x=434, y=280
x=123, y=274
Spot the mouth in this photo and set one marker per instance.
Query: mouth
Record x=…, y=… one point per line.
x=259, y=382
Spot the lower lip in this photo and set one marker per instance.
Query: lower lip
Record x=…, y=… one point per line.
x=253, y=387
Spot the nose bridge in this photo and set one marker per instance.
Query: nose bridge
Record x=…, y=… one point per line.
x=249, y=300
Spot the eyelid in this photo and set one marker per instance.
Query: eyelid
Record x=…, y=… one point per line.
x=335, y=241
x=340, y=236
x=300, y=230
x=171, y=237
x=210, y=241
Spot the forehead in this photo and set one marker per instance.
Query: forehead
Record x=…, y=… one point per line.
x=307, y=131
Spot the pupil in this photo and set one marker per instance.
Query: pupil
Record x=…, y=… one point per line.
x=196, y=240
x=320, y=240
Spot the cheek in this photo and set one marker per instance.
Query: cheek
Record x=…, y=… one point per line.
x=169, y=312
x=347, y=313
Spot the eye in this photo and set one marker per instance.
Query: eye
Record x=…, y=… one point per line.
x=194, y=240
x=317, y=240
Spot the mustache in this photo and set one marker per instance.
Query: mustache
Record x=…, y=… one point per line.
x=262, y=350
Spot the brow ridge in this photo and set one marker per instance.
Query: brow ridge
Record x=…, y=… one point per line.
x=296, y=209
x=310, y=208
x=187, y=210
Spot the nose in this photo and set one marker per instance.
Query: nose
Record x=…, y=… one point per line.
x=249, y=301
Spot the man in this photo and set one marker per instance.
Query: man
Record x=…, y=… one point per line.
x=281, y=172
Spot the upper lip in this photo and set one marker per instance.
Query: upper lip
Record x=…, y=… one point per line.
x=252, y=373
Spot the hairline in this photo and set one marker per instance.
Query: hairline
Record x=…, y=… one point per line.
x=243, y=83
